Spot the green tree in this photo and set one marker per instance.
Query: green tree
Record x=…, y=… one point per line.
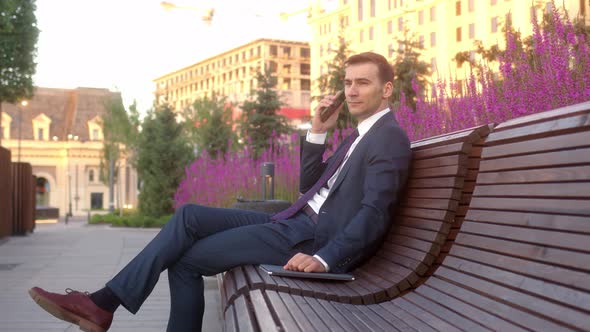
x=333, y=80
x=260, y=119
x=120, y=130
x=18, y=47
x=410, y=72
x=209, y=125
x=163, y=152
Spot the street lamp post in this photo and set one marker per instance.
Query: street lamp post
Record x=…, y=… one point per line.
x=69, y=173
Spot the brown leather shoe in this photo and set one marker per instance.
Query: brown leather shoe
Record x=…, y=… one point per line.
x=74, y=307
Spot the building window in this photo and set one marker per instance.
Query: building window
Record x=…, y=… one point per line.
x=305, y=85
x=493, y=2
x=433, y=64
x=432, y=14
x=304, y=52
x=273, y=50
x=96, y=201
x=362, y=36
x=371, y=33
x=91, y=176
x=304, y=69
x=372, y=8
x=471, y=5
x=389, y=27
x=432, y=39
x=360, y=9
x=286, y=84
x=421, y=17
x=287, y=51
x=39, y=134
x=95, y=136
x=471, y=30
x=421, y=41
x=458, y=8
x=494, y=24
x=458, y=33
x=400, y=24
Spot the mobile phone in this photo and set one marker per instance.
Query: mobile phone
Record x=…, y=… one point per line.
x=326, y=112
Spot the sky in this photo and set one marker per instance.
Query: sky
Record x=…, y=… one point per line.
x=123, y=45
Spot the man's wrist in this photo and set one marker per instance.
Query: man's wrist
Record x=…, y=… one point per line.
x=316, y=138
x=321, y=260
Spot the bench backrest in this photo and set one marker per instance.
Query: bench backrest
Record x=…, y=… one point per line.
x=523, y=252
x=423, y=220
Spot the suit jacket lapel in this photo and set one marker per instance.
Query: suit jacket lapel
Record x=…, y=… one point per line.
x=355, y=153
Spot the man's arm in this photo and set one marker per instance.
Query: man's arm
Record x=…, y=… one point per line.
x=389, y=156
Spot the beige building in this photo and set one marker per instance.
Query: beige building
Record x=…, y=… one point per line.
x=233, y=74
x=444, y=27
x=59, y=132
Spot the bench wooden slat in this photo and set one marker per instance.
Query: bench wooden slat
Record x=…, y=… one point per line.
x=276, y=305
x=561, y=174
x=243, y=316
x=469, y=311
x=552, y=143
x=332, y=323
x=452, y=160
x=412, y=242
x=559, y=190
x=464, y=135
x=439, y=311
x=321, y=320
x=499, y=309
x=370, y=320
x=561, y=112
x=398, y=324
x=444, y=193
x=427, y=213
x=434, y=321
x=537, y=220
x=563, y=240
x=540, y=129
x=421, y=234
x=229, y=320
x=555, y=256
x=548, y=272
x=535, y=161
x=406, y=317
x=428, y=224
x=441, y=151
x=306, y=320
x=430, y=203
x=529, y=294
x=570, y=206
x=455, y=170
x=436, y=182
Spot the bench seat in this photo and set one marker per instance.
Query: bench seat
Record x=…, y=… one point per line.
x=520, y=260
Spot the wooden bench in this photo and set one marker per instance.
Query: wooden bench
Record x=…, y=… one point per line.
x=440, y=170
x=520, y=260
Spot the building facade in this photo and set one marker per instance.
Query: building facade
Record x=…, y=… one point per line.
x=59, y=132
x=233, y=74
x=443, y=27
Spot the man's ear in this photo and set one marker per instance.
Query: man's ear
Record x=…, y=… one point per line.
x=387, y=90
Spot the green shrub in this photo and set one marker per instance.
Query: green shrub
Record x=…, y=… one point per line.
x=130, y=220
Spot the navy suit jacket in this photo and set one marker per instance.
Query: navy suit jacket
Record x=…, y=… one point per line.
x=355, y=217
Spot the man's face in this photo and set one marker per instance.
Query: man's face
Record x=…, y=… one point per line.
x=365, y=94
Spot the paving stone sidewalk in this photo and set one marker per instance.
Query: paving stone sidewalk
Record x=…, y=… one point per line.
x=81, y=257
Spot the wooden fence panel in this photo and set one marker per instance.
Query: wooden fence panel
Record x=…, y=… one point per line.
x=23, y=199
x=5, y=194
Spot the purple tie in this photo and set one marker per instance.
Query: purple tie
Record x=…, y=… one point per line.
x=328, y=173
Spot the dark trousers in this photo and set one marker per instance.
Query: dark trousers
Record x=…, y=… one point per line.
x=202, y=241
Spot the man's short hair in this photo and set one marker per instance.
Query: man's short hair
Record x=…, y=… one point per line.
x=385, y=69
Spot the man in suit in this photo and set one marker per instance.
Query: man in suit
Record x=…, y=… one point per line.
x=338, y=223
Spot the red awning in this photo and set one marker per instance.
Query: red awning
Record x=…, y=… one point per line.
x=294, y=113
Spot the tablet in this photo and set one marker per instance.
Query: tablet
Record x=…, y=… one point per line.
x=277, y=270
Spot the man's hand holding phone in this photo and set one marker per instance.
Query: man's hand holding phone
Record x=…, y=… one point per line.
x=326, y=113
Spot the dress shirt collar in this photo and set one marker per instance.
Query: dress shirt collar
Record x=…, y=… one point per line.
x=367, y=123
